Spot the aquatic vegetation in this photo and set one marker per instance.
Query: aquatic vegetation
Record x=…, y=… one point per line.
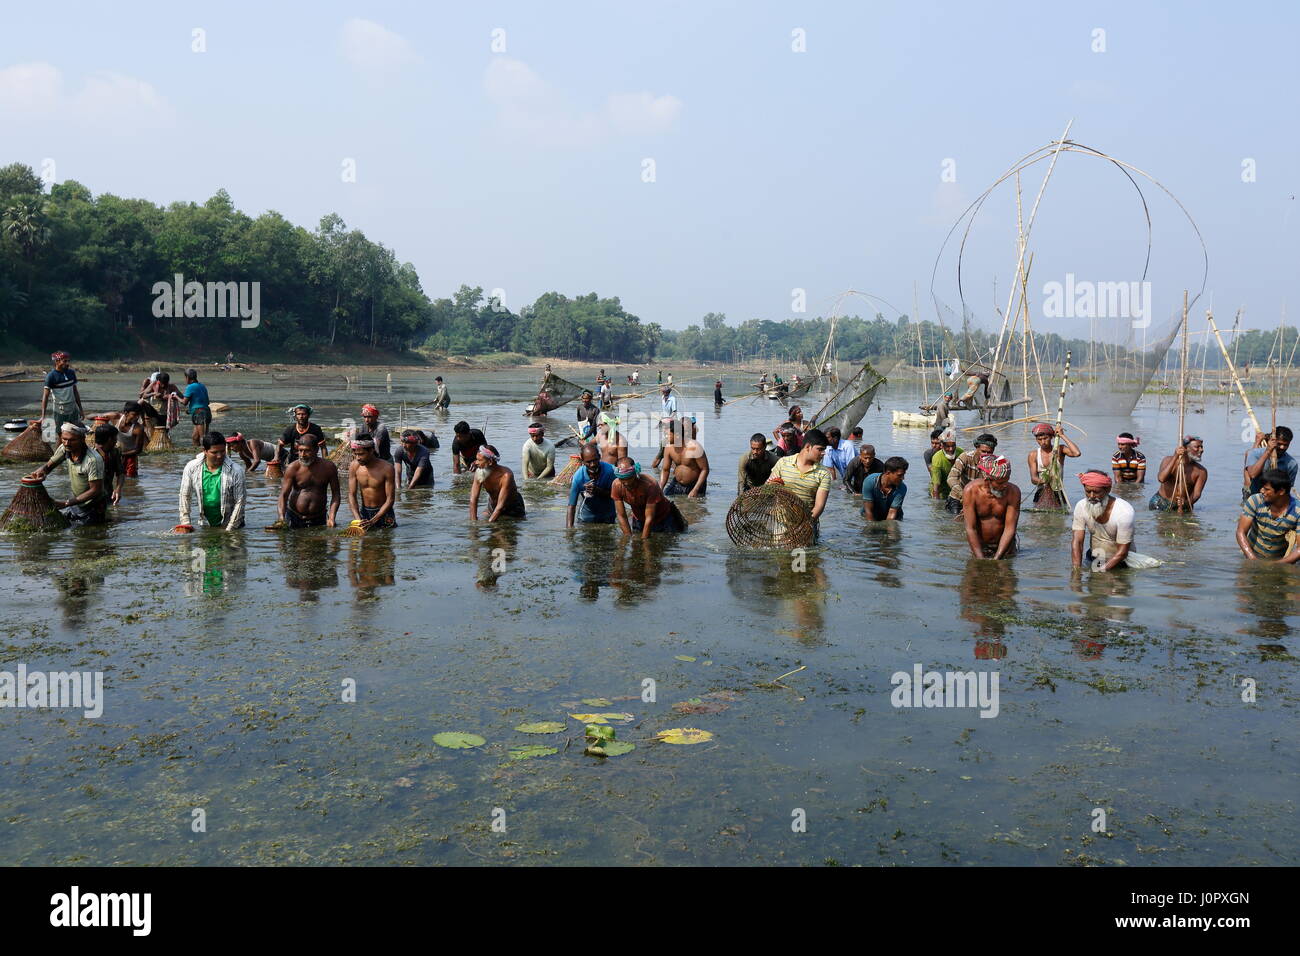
x=458, y=740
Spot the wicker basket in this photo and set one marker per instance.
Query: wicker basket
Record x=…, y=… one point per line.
x=770, y=517
x=160, y=440
x=28, y=446
x=32, y=510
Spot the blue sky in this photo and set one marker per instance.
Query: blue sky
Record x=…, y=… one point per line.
x=774, y=169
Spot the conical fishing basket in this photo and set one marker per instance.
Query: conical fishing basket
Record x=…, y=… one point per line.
x=341, y=455
x=28, y=446
x=566, y=476
x=32, y=510
x=770, y=517
x=160, y=441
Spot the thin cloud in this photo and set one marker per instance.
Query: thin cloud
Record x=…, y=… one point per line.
x=375, y=52
x=104, y=98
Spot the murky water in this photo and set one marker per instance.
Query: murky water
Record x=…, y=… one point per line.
x=225, y=675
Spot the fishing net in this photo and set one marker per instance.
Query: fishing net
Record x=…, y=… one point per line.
x=848, y=406
x=28, y=446
x=555, y=391
x=770, y=517
x=1121, y=373
x=32, y=510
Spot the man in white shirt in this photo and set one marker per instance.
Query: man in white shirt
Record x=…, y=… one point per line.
x=1109, y=520
x=670, y=402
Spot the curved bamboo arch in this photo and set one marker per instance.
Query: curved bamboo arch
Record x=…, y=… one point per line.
x=1055, y=148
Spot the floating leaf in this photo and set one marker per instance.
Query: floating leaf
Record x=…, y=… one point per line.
x=541, y=727
x=601, y=718
x=684, y=657
x=456, y=740
x=596, y=702
x=617, y=747
x=531, y=750
x=684, y=735
x=599, y=733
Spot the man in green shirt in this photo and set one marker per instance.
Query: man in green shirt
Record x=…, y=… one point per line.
x=942, y=463
x=89, y=501
x=218, y=482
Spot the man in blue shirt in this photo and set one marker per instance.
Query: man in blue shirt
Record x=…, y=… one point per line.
x=670, y=402
x=591, y=484
x=195, y=398
x=1260, y=458
x=61, y=386
x=883, y=493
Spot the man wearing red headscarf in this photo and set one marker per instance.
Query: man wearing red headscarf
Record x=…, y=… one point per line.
x=1046, y=464
x=61, y=386
x=370, y=428
x=1110, y=522
x=1128, y=464
x=991, y=509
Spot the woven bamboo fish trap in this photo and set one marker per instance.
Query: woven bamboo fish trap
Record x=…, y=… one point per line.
x=160, y=440
x=770, y=517
x=341, y=455
x=566, y=474
x=28, y=446
x=32, y=510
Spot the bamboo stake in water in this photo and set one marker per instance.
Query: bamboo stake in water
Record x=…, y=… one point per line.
x=1232, y=369
x=1180, y=485
x=1060, y=417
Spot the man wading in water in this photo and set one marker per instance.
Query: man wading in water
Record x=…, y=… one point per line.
x=1110, y=522
x=991, y=506
x=687, y=463
x=1186, y=459
x=1045, y=466
x=651, y=511
x=966, y=469
x=372, y=486
x=310, y=485
x=499, y=483
x=286, y=447
x=1266, y=519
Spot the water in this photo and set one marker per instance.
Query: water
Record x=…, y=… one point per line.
x=224, y=685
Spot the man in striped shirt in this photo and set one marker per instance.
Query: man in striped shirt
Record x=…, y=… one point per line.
x=1267, y=517
x=803, y=475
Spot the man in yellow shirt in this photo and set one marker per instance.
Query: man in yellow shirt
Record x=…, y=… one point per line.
x=803, y=475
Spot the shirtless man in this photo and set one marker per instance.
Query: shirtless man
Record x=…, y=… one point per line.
x=131, y=438
x=251, y=451
x=372, y=486
x=310, y=484
x=611, y=449
x=1041, y=459
x=1186, y=459
x=686, y=461
x=991, y=508
x=499, y=483
x=651, y=511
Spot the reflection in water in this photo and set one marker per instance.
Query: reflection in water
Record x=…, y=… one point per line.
x=83, y=575
x=1095, y=608
x=1182, y=535
x=372, y=563
x=310, y=561
x=636, y=566
x=215, y=562
x=888, y=552
x=589, y=549
x=988, y=600
x=783, y=585
x=492, y=546
x=1268, y=592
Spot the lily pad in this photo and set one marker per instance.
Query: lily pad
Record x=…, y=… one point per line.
x=457, y=740
x=684, y=735
x=541, y=727
x=599, y=733
x=601, y=718
x=531, y=750
x=596, y=702
x=617, y=747
x=684, y=657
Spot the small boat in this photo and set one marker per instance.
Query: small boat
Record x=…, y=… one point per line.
x=911, y=420
x=16, y=425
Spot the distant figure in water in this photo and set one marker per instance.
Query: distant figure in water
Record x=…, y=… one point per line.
x=499, y=483
x=991, y=507
x=443, y=399
x=718, y=400
x=309, y=492
x=1128, y=464
x=1187, y=460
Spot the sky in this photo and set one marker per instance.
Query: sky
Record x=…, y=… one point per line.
x=703, y=156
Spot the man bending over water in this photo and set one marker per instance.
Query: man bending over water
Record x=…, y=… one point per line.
x=991, y=508
x=499, y=483
x=651, y=511
x=309, y=493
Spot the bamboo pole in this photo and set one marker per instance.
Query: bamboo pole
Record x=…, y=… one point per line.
x=1057, y=460
x=1180, y=485
x=1232, y=370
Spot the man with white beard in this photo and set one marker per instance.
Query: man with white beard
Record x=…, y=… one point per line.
x=991, y=509
x=1109, y=520
x=1187, y=460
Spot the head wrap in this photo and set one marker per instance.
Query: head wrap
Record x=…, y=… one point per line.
x=369, y=410
x=1042, y=428
x=995, y=466
x=488, y=452
x=411, y=438
x=298, y=406
x=1188, y=439
x=1095, y=479
x=535, y=429
x=634, y=470
x=948, y=436
x=233, y=439
x=365, y=441
x=59, y=355
x=1121, y=440
x=72, y=427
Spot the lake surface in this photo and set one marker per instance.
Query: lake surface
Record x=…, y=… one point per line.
x=225, y=673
